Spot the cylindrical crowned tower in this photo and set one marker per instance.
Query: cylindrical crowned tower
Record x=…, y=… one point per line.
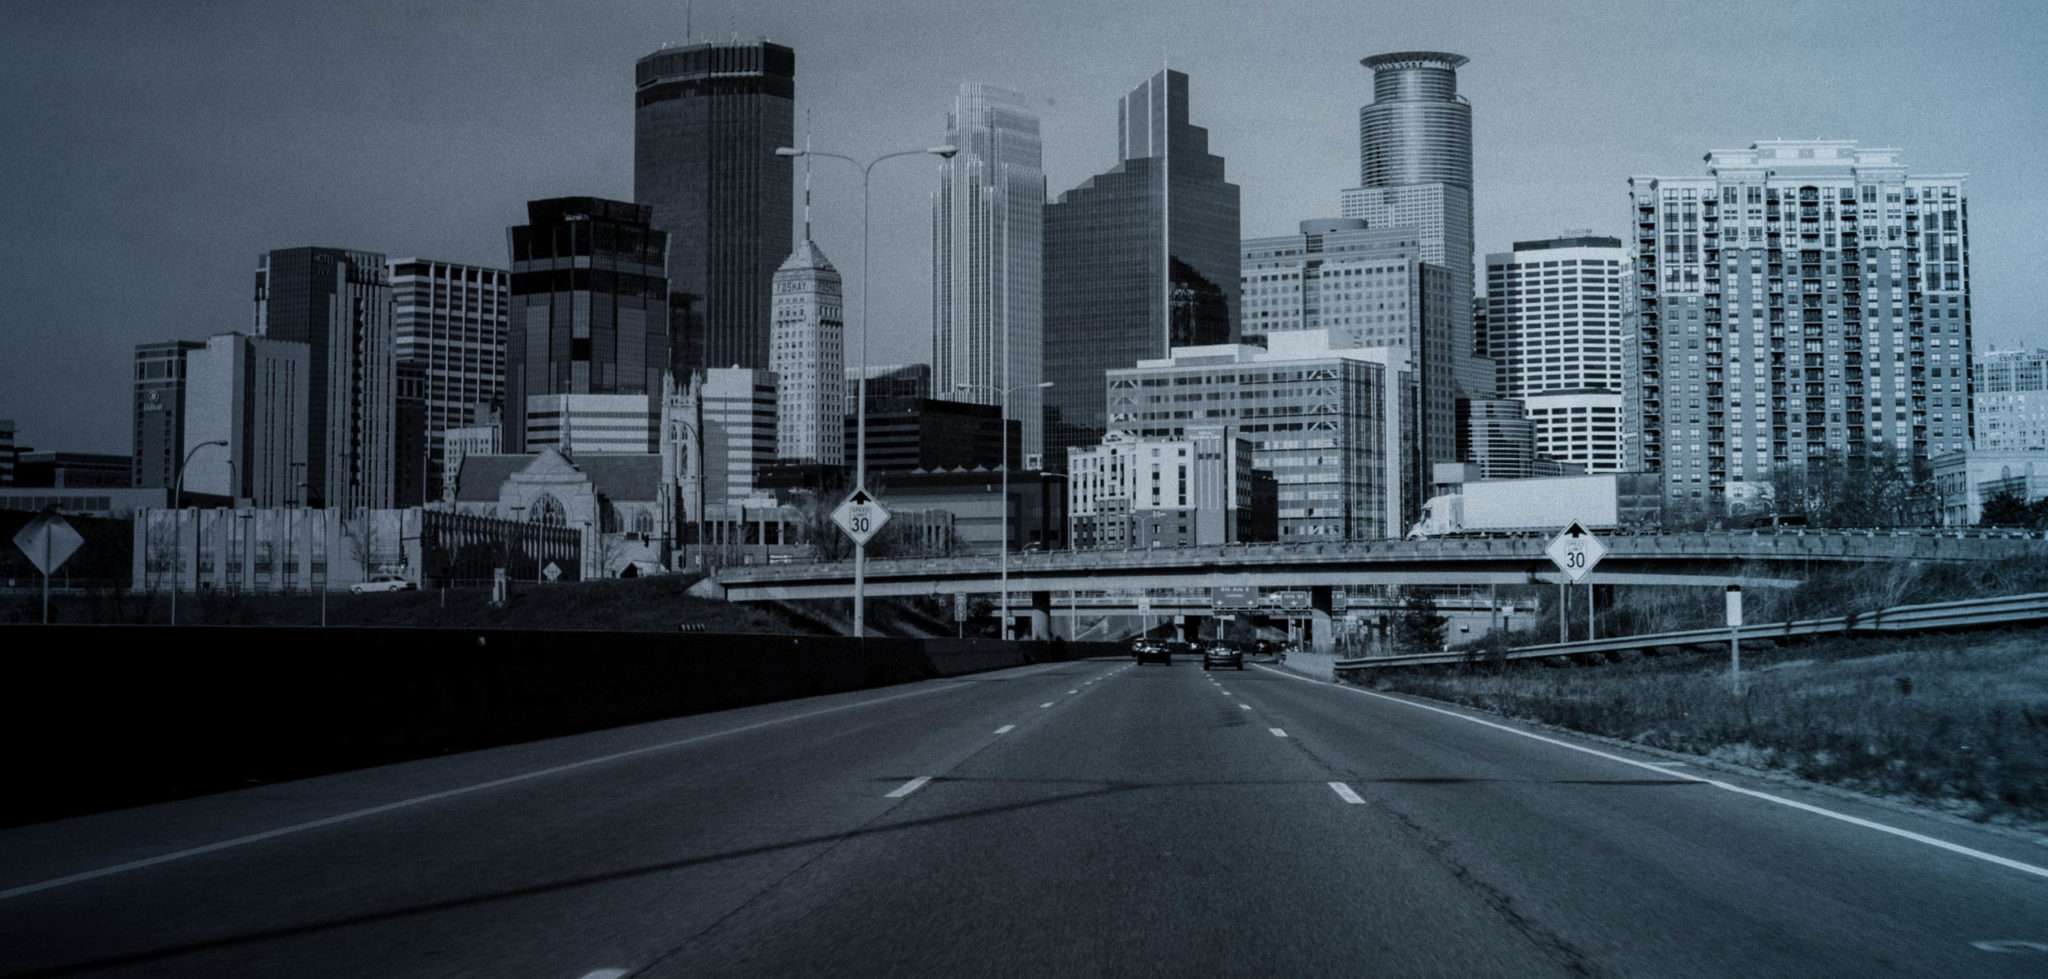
x=1417, y=130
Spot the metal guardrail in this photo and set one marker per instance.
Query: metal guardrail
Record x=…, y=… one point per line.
x=1966, y=614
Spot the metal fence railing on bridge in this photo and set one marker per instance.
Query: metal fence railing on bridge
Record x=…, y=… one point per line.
x=1967, y=614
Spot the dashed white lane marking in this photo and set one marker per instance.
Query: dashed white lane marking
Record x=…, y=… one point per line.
x=1244, y=707
x=1344, y=792
x=910, y=786
x=1906, y=834
x=445, y=794
x=1005, y=729
x=605, y=974
x=1277, y=732
x=1045, y=705
x=1073, y=691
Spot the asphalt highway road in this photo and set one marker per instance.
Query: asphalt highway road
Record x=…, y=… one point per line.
x=1092, y=818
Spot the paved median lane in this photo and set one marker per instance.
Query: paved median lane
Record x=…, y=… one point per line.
x=1148, y=828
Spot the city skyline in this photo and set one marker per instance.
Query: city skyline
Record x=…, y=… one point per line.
x=230, y=134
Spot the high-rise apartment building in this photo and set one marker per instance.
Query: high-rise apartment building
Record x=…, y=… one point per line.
x=987, y=254
x=159, y=440
x=1138, y=260
x=255, y=394
x=451, y=319
x=1585, y=427
x=1367, y=287
x=589, y=312
x=707, y=120
x=1415, y=170
x=2012, y=400
x=338, y=303
x=1802, y=303
x=1334, y=426
x=808, y=355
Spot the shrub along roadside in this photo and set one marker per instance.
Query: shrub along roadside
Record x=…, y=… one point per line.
x=1956, y=722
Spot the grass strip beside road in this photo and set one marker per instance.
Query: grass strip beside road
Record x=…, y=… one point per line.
x=1956, y=723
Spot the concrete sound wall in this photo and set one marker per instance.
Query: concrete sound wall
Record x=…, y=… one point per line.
x=102, y=717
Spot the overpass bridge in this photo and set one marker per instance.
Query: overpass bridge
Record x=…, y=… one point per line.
x=1169, y=580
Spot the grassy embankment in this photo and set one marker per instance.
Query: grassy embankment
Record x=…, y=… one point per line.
x=657, y=604
x=1957, y=721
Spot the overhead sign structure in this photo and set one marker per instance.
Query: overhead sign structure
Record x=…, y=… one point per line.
x=1234, y=598
x=861, y=516
x=1575, y=551
x=49, y=541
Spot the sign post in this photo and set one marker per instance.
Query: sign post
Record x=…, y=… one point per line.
x=861, y=517
x=1575, y=551
x=48, y=540
x=1735, y=637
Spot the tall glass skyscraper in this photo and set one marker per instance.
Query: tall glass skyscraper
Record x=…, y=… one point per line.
x=706, y=121
x=338, y=302
x=1138, y=260
x=588, y=306
x=987, y=239
x=1415, y=170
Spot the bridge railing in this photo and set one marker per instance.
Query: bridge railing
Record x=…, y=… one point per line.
x=1762, y=543
x=1967, y=614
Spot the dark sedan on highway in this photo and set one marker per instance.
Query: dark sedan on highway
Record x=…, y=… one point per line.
x=1218, y=653
x=1152, y=650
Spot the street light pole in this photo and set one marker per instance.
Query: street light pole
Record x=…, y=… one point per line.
x=1003, y=420
x=860, y=480
x=178, y=521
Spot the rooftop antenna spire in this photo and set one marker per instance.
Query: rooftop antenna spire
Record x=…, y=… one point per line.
x=807, y=174
x=689, y=12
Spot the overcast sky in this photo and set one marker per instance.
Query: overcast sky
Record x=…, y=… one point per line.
x=150, y=149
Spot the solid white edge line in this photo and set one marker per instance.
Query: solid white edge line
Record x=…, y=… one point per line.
x=1344, y=792
x=1005, y=729
x=437, y=796
x=1906, y=834
x=909, y=787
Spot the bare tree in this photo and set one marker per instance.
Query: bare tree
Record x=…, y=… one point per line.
x=1879, y=487
x=361, y=534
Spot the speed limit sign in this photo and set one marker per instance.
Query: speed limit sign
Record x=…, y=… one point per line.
x=861, y=516
x=1575, y=551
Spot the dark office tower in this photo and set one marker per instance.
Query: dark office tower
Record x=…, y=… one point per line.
x=706, y=121
x=159, y=443
x=1138, y=260
x=1415, y=170
x=589, y=306
x=413, y=462
x=338, y=303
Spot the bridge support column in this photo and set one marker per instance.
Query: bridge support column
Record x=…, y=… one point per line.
x=1321, y=635
x=1041, y=615
x=1191, y=627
